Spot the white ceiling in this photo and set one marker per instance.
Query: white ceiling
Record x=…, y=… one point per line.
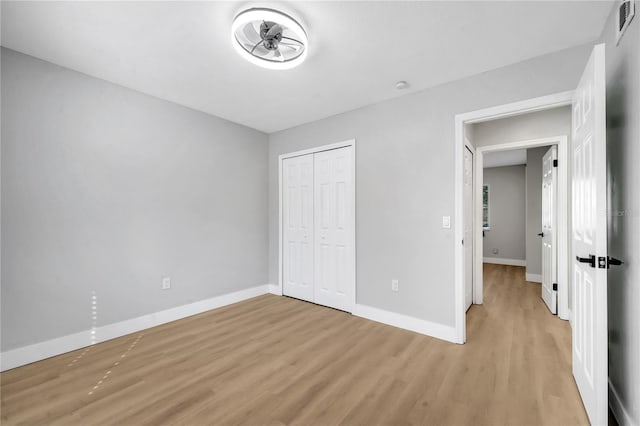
x=181, y=51
x=512, y=157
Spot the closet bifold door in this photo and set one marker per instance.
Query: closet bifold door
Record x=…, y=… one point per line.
x=334, y=219
x=298, y=227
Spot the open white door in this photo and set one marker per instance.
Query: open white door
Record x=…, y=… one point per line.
x=549, y=229
x=590, y=239
x=468, y=228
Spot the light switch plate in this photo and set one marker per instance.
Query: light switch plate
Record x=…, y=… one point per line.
x=446, y=222
x=166, y=283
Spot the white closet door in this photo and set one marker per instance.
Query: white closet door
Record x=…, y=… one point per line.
x=549, y=233
x=334, y=276
x=297, y=193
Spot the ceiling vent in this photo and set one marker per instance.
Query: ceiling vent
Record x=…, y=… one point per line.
x=269, y=38
x=626, y=11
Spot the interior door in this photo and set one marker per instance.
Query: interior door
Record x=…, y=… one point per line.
x=468, y=227
x=590, y=239
x=549, y=233
x=335, y=225
x=297, y=193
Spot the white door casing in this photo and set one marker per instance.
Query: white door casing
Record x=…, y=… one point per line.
x=549, y=229
x=298, y=229
x=468, y=228
x=589, y=329
x=334, y=225
x=486, y=114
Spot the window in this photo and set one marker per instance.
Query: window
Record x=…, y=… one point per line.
x=485, y=207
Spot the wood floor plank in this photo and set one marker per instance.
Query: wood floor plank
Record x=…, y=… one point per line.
x=279, y=361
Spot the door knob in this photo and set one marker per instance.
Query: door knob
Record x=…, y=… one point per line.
x=591, y=260
x=612, y=261
x=541, y=234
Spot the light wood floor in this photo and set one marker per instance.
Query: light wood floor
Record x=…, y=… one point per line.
x=275, y=360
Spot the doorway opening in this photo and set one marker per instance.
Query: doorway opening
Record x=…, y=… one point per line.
x=521, y=215
x=464, y=136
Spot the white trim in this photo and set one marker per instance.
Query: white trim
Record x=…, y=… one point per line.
x=502, y=261
x=42, y=350
x=328, y=147
x=534, y=278
x=417, y=325
x=571, y=317
x=517, y=108
x=501, y=111
x=458, y=233
x=617, y=407
x=274, y=289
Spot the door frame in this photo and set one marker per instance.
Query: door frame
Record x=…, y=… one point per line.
x=555, y=216
x=472, y=149
x=348, y=143
x=486, y=114
x=562, y=229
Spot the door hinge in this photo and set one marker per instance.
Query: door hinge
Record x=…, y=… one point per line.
x=555, y=286
x=555, y=163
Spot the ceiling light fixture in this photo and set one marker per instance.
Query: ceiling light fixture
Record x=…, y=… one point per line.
x=268, y=38
x=401, y=85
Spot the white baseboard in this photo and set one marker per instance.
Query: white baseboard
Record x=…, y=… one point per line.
x=274, y=289
x=406, y=322
x=534, y=278
x=42, y=350
x=38, y=351
x=619, y=412
x=499, y=261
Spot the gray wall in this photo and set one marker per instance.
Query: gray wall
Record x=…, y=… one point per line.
x=623, y=160
x=507, y=203
x=405, y=175
x=105, y=189
x=534, y=209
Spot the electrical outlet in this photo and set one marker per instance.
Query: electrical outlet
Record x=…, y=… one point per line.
x=394, y=285
x=166, y=283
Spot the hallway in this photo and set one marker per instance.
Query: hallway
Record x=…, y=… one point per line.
x=522, y=353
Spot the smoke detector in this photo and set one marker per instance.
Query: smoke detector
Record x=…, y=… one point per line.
x=269, y=38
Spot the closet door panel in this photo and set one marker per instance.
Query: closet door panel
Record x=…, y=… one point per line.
x=298, y=229
x=335, y=223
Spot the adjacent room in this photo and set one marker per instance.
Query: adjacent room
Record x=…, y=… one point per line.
x=319, y=213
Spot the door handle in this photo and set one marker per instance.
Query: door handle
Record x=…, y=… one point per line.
x=591, y=260
x=612, y=261
x=541, y=234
